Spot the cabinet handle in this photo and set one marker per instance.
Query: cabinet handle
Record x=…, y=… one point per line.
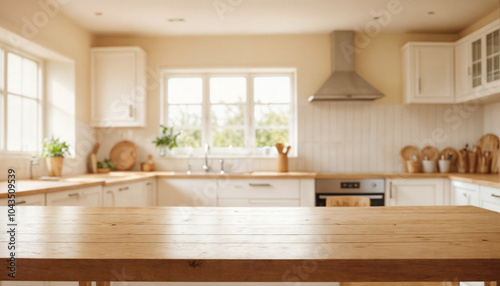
x=131, y=110
x=390, y=190
x=21, y=203
x=259, y=185
x=148, y=184
x=468, y=70
x=495, y=196
x=419, y=85
x=465, y=195
x=75, y=195
x=123, y=189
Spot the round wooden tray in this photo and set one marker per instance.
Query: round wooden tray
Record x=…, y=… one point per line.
x=430, y=152
x=407, y=154
x=124, y=154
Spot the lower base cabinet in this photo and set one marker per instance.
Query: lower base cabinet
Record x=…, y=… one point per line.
x=490, y=198
x=31, y=200
x=187, y=192
x=464, y=194
x=90, y=196
x=417, y=192
x=258, y=203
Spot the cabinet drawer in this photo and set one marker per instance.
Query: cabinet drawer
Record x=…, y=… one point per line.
x=80, y=197
x=465, y=194
x=490, y=198
x=258, y=189
x=258, y=203
x=31, y=200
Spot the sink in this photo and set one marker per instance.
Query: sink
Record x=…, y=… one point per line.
x=201, y=173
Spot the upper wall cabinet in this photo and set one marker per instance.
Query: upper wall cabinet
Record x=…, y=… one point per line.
x=478, y=64
x=429, y=72
x=118, y=87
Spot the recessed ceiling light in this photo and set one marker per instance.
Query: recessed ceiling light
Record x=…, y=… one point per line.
x=176, y=19
x=431, y=13
x=98, y=13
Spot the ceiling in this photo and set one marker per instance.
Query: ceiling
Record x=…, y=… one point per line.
x=243, y=17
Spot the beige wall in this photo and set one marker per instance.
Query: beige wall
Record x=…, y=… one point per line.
x=481, y=23
x=57, y=33
x=379, y=63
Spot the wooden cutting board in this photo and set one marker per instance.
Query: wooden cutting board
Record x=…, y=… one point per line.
x=124, y=154
x=93, y=159
x=407, y=153
x=431, y=153
x=489, y=143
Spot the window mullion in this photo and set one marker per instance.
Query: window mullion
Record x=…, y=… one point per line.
x=249, y=124
x=3, y=104
x=206, y=130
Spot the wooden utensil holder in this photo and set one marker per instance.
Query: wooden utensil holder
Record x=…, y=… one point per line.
x=282, y=163
x=472, y=162
x=463, y=161
x=414, y=166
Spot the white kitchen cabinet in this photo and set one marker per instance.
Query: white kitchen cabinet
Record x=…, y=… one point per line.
x=91, y=196
x=125, y=195
x=258, y=203
x=118, y=87
x=478, y=64
x=150, y=192
x=429, y=72
x=416, y=192
x=31, y=200
x=258, y=193
x=463, y=72
x=25, y=283
x=464, y=194
x=489, y=198
x=187, y=192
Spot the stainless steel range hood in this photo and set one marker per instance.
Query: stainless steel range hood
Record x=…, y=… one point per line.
x=344, y=83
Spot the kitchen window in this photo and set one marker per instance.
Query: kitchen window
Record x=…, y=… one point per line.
x=237, y=112
x=20, y=102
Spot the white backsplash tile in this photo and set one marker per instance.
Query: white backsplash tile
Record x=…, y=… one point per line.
x=355, y=137
x=492, y=119
x=333, y=137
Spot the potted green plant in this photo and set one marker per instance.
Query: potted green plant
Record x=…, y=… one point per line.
x=105, y=166
x=54, y=151
x=167, y=140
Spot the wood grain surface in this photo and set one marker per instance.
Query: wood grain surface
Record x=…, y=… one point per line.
x=455, y=243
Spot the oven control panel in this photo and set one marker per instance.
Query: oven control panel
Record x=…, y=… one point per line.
x=350, y=186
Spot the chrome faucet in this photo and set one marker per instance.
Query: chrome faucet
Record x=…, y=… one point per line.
x=221, y=161
x=33, y=161
x=206, y=148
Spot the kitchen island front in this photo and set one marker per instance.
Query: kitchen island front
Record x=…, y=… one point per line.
x=294, y=244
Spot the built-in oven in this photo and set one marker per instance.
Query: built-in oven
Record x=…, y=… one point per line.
x=374, y=189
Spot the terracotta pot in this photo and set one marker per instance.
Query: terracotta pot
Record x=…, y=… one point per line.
x=103, y=170
x=54, y=166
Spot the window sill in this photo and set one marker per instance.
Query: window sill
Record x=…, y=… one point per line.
x=25, y=155
x=183, y=157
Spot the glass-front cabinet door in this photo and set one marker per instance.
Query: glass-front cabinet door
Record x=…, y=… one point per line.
x=477, y=68
x=493, y=56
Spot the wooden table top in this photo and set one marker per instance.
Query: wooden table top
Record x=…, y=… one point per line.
x=255, y=244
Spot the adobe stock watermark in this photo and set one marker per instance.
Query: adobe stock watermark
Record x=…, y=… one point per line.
x=223, y=6
x=48, y=10
x=381, y=19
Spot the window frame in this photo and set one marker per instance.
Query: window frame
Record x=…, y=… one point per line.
x=250, y=74
x=40, y=100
